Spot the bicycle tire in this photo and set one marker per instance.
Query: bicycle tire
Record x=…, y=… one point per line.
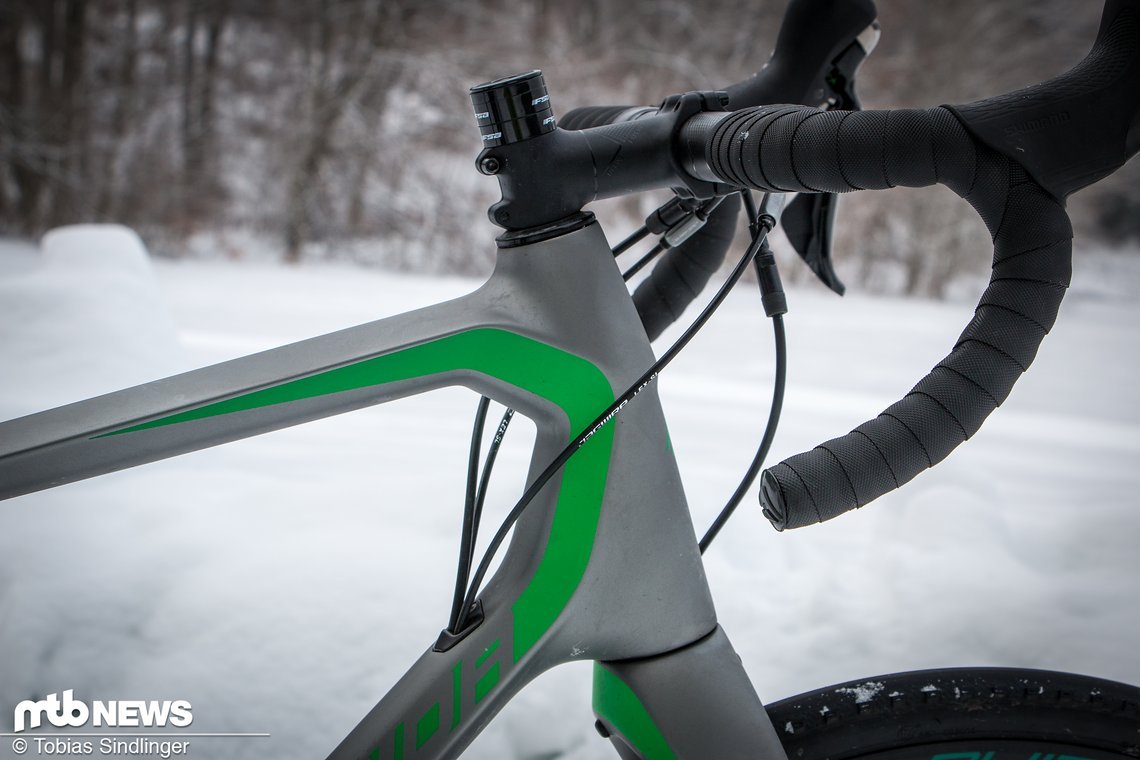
x=963, y=714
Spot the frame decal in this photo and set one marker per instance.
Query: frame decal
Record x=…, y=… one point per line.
x=572, y=383
x=619, y=706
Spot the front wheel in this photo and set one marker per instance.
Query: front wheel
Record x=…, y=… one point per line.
x=963, y=714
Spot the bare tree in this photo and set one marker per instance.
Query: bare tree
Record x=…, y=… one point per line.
x=205, y=21
x=348, y=39
x=340, y=121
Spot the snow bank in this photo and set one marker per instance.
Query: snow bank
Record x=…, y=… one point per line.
x=86, y=313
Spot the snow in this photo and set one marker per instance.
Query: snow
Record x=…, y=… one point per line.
x=862, y=693
x=283, y=584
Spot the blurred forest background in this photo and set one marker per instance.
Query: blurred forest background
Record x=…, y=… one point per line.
x=342, y=128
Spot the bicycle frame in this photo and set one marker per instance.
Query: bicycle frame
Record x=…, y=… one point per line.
x=554, y=335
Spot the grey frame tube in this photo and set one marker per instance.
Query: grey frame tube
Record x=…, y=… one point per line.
x=697, y=701
x=604, y=564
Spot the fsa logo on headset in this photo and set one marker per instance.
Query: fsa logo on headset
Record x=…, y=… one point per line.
x=74, y=713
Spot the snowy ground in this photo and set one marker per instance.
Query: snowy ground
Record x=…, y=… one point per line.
x=282, y=584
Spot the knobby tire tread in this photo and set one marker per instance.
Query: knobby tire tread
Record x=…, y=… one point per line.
x=932, y=711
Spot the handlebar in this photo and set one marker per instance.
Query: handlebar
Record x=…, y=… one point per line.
x=1013, y=159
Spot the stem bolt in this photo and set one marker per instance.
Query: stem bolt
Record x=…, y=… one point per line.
x=490, y=165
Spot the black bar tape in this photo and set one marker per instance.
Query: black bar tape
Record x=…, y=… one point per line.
x=785, y=148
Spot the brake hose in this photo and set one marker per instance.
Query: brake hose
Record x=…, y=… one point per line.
x=473, y=503
x=761, y=231
x=771, y=293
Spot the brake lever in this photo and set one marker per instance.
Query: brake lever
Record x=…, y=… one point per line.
x=841, y=78
x=810, y=218
x=808, y=223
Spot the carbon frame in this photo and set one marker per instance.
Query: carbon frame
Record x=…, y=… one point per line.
x=604, y=565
